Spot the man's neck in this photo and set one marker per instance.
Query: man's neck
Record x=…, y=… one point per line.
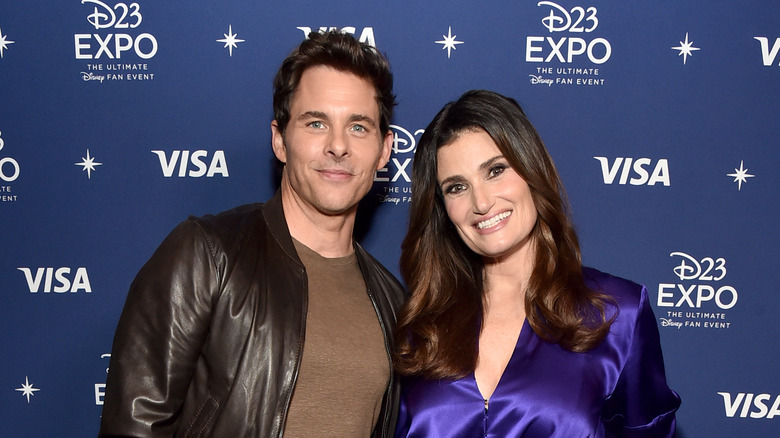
x=327, y=235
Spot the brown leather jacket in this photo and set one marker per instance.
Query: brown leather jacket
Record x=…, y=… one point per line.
x=210, y=339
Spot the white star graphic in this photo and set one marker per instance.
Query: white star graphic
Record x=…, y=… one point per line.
x=740, y=175
x=4, y=43
x=230, y=39
x=685, y=48
x=88, y=164
x=27, y=389
x=449, y=42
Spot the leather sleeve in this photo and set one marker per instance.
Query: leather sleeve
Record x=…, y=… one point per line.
x=159, y=336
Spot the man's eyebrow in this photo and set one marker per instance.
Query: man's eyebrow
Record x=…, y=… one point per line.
x=362, y=118
x=313, y=115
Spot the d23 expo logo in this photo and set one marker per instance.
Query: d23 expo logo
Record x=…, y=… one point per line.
x=100, y=388
x=572, y=59
x=9, y=172
x=115, y=47
x=700, y=299
x=395, y=179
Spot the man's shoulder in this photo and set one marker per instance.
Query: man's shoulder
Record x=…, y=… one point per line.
x=229, y=219
x=380, y=272
x=231, y=225
x=364, y=257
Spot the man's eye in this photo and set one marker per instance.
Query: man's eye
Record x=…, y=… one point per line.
x=316, y=125
x=359, y=128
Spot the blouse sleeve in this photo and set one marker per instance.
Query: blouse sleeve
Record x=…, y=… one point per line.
x=402, y=426
x=642, y=405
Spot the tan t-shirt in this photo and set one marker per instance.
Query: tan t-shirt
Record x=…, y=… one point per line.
x=344, y=369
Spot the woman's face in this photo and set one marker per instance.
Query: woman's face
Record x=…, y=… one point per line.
x=487, y=201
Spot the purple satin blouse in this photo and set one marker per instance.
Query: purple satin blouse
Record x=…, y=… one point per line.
x=617, y=389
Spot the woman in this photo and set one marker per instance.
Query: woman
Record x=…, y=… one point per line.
x=505, y=333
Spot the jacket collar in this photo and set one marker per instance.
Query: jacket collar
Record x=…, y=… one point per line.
x=277, y=224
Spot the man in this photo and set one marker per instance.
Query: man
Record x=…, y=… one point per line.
x=269, y=320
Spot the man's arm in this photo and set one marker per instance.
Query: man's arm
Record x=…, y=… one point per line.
x=159, y=336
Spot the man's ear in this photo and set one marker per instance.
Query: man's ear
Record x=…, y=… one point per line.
x=387, y=147
x=277, y=142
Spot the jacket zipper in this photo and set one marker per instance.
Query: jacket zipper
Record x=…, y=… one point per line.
x=386, y=420
x=299, y=354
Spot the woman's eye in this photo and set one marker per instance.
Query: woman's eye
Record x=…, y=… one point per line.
x=454, y=189
x=497, y=170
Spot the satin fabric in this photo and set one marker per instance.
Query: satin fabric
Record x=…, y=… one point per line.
x=617, y=389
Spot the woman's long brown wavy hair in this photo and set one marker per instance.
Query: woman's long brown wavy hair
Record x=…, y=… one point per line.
x=438, y=328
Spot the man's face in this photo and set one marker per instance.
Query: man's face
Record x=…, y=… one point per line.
x=332, y=145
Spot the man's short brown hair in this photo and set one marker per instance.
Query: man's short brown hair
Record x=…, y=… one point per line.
x=343, y=52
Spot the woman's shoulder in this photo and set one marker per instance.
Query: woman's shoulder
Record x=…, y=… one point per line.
x=627, y=294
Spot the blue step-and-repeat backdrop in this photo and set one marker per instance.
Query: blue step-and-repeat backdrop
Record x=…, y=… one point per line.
x=120, y=119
